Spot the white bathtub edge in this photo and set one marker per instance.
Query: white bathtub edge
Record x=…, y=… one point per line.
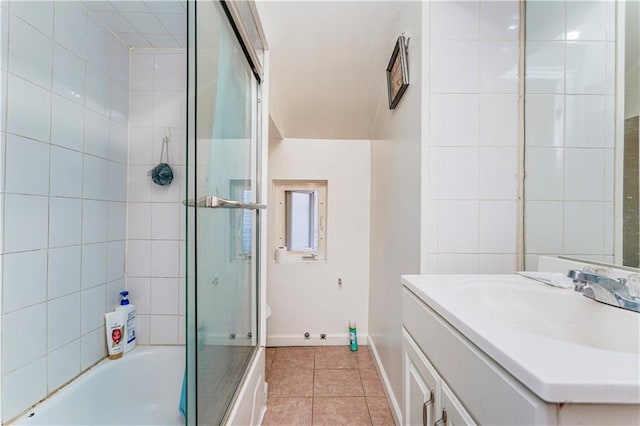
x=48, y=406
x=250, y=405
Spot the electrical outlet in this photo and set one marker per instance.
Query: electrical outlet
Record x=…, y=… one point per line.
x=323, y=336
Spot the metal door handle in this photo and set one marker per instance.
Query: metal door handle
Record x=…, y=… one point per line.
x=443, y=419
x=213, y=202
x=424, y=408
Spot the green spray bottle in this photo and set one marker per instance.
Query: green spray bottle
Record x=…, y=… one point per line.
x=352, y=336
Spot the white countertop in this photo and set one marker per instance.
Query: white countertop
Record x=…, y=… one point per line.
x=574, y=364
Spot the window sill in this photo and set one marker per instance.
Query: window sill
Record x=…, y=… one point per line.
x=300, y=259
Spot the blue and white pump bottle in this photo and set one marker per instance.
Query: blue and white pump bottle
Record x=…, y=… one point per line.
x=129, y=321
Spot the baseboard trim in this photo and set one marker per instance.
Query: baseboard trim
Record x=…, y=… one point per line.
x=296, y=340
x=395, y=407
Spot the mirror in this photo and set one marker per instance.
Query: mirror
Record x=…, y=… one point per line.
x=581, y=153
x=631, y=138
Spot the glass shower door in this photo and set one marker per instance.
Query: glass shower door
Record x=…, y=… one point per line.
x=222, y=296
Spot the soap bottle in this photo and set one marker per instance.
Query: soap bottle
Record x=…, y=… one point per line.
x=129, y=321
x=353, y=338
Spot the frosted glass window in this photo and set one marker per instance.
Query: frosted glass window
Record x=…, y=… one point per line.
x=301, y=217
x=302, y=220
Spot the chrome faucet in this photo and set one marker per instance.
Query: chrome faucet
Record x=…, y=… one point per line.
x=603, y=289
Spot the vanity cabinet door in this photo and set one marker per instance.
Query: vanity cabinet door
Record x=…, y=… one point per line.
x=421, y=386
x=456, y=415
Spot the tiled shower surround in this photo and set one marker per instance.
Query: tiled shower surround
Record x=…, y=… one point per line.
x=72, y=184
x=155, y=232
x=65, y=91
x=473, y=137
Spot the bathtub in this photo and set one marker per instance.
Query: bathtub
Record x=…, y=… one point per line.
x=142, y=388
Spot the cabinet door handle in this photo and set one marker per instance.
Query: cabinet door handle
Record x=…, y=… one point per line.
x=424, y=408
x=443, y=419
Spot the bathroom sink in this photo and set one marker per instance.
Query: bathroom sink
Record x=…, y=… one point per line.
x=561, y=314
x=560, y=344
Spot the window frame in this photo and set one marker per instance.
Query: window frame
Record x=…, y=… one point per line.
x=282, y=224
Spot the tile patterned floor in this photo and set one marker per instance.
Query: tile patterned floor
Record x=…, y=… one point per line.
x=324, y=385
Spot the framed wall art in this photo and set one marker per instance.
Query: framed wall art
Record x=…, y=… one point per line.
x=397, y=72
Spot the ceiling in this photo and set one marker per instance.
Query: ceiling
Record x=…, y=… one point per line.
x=327, y=58
x=327, y=65
x=160, y=24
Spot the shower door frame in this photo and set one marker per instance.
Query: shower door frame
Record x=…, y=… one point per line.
x=249, y=400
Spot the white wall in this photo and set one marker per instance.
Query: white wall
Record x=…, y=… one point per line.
x=305, y=296
x=569, y=107
x=64, y=137
x=396, y=188
x=155, y=232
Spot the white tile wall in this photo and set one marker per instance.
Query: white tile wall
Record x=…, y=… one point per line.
x=24, y=117
x=473, y=137
x=569, y=113
x=544, y=115
x=63, y=364
x=584, y=224
x=498, y=173
x=545, y=66
x=544, y=183
x=16, y=350
x=66, y=166
x=64, y=271
x=543, y=227
x=499, y=66
x=499, y=120
x=63, y=321
x=30, y=54
x=37, y=14
x=30, y=270
x=28, y=171
x=24, y=386
x=589, y=121
x=67, y=123
x=154, y=250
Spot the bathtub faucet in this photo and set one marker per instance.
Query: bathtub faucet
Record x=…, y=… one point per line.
x=604, y=289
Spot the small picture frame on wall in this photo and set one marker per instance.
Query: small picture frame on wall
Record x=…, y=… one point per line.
x=397, y=72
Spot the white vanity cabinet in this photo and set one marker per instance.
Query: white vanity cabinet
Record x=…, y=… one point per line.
x=468, y=385
x=480, y=371
x=453, y=413
x=428, y=400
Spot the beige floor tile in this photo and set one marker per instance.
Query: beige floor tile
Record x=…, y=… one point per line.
x=365, y=359
x=290, y=382
x=293, y=357
x=371, y=383
x=340, y=411
x=335, y=357
x=288, y=411
x=334, y=383
x=270, y=353
x=379, y=411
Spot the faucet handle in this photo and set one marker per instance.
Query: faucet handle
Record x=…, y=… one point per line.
x=578, y=278
x=633, y=285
